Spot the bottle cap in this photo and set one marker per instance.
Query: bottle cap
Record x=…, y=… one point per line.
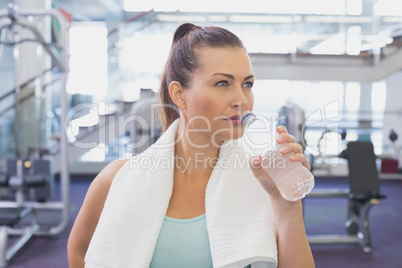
x=246, y=114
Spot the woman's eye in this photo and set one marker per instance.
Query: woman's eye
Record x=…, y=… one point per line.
x=222, y=83
x=248, y=84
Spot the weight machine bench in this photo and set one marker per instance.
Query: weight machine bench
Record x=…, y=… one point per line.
x=8, y=218
x=29, y=182
x=363, y=193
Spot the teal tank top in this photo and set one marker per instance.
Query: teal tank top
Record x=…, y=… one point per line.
x=182, y=243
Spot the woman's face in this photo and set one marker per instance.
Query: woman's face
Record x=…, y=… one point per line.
x=220, y=90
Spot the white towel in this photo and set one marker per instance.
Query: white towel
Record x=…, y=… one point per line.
x=240, y=219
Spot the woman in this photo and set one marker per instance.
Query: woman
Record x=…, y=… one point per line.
x=206, y=85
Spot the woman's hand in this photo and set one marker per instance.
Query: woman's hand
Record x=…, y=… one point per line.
x=255, y=162
x=293, y=247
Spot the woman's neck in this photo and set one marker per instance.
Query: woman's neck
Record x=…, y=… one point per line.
x=196, y=156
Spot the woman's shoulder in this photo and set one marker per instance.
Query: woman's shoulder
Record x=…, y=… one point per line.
x=105, y=178
x=112, y=168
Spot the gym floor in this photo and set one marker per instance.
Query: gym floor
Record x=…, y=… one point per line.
x=322, y=216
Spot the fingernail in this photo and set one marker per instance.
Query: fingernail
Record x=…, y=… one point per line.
x=255, y=162
x=284, y=150
x=280, y=138
x=292, y=157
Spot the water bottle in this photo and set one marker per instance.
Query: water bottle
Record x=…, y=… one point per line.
x=293, y=180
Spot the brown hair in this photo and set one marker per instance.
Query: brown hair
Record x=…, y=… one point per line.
x=183, y=61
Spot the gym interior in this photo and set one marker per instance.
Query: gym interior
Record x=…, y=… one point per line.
x=78, y=89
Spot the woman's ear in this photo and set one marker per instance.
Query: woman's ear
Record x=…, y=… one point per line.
x=176, y=92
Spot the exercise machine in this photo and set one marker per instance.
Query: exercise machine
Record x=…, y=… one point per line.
x=363, y=193
x=28, y=178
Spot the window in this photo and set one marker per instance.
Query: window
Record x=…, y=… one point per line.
x=88, y=61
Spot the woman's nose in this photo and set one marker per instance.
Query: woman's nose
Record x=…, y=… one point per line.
x=239, y=99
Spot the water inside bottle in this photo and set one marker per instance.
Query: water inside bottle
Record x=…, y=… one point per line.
x=293, y=180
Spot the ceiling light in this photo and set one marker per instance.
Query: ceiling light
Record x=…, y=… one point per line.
x=261, y=19
x=175, y=18
x=338, y=19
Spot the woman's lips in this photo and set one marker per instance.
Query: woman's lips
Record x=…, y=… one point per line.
x=235, y=120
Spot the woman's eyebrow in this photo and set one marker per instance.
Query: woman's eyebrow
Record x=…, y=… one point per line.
x=231, y=76
x=223, y=74
x=248, y=77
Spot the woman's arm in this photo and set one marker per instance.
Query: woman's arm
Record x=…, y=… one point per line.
x=88, y=216
x=293, y=247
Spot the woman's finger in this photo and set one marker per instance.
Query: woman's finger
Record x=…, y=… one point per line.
x=285, y=137
x=265, y=180
x=298, y=157
x=292, y=147
x=281, y=129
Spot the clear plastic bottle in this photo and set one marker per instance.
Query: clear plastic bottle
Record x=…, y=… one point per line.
x=293, y=180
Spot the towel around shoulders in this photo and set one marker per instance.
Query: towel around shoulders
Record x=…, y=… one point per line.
x=239, y=215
